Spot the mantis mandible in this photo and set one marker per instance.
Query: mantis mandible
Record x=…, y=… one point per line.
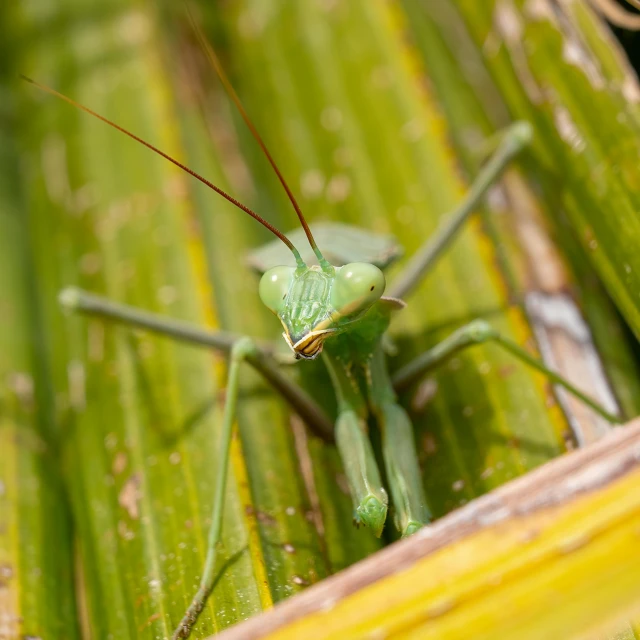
x=341, y=313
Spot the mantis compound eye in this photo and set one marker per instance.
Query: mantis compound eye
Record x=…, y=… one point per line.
x=356, y=287
x=274, y=286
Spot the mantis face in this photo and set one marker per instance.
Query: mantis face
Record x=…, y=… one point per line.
x=313, y=304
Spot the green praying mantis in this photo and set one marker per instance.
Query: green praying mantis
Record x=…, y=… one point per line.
x=341, y=313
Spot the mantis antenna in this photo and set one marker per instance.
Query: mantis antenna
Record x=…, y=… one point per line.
x=197, y=176
x=215, y=63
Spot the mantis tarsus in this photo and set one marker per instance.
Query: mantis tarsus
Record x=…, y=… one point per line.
x=340, y=311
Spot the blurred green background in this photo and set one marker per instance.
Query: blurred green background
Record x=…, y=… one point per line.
x=377, y=113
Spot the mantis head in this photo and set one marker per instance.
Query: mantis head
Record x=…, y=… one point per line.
x=314, y=303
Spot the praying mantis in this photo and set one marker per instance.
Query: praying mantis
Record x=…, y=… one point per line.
x=340, y=313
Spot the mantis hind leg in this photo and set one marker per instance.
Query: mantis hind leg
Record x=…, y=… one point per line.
x=260, y=357
x=477, y=332
x=508, y=144
x=242, y=349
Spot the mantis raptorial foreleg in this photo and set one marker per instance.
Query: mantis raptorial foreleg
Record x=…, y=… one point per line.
x=401, y=466
x=512, y=141
x=259, y=358
x=370, y=500
x=398, y=449
x=369, y=497
x=477, y=332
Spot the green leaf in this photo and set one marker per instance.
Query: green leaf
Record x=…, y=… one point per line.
x=134, y=420
x=547, y=269
x=563, y=70
x=36, y=544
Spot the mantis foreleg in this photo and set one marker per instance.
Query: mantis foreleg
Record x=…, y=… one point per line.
x=403, y=472
x=398, y=449
x=513, y=140
x=352, y=438
x=369, y=497
x=477, y=332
